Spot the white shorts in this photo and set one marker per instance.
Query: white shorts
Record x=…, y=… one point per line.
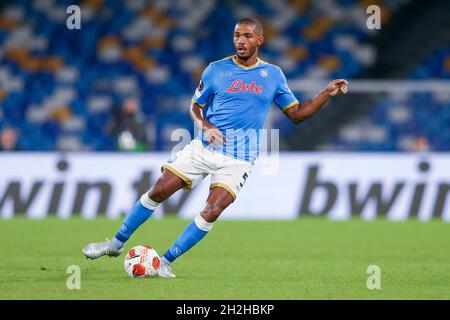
x=196, y=161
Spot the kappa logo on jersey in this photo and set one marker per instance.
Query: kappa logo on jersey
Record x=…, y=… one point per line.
x=239, y=86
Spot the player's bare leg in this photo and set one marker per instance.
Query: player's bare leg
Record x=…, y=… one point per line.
x=218, y=200
x=166, y=185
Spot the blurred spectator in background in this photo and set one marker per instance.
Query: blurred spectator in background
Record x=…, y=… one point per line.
x=8, y=139
x=421, y=144
x=131, y=130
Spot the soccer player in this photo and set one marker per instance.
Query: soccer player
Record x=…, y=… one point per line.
x=229, y=107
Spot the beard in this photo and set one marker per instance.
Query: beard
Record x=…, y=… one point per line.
x=247, y=55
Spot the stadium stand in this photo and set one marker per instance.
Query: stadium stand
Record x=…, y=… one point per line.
x=405, y=121
x=59, y=87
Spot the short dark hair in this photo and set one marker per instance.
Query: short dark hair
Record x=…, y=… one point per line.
x=252, y=21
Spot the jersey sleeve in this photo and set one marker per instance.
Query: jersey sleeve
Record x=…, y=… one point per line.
x=204, y=90
x=284, y=98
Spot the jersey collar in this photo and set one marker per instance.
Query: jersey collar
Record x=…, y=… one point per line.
x=245, y=67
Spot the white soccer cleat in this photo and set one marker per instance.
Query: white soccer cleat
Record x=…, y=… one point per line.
x=96, y=250
x=165, y=270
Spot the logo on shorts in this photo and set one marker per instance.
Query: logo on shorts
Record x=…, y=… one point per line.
x=244, y=177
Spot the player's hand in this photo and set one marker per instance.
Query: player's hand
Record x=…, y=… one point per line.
x=214, y=135
x=337, y=87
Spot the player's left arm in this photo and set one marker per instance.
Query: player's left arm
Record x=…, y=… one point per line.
x=305, y=110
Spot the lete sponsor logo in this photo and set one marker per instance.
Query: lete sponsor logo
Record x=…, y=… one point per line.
x=240, y=86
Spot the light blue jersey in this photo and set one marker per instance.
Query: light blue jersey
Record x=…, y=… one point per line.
x=236, y=99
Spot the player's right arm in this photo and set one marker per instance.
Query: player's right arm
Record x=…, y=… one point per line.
x=212, y=133
x=203, y=94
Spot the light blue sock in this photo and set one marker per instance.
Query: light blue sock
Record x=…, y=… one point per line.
x=190, y=236
x=141, y=211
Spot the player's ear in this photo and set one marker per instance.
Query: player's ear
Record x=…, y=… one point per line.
x=260, y=41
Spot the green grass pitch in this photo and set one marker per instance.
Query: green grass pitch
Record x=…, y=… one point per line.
x=309, y=258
